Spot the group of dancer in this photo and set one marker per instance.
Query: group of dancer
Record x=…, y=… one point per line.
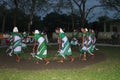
x=39, y=51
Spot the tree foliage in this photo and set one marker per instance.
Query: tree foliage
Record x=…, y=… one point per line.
x=111, y=4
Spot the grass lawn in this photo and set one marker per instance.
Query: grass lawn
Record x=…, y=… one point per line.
x=106, y=70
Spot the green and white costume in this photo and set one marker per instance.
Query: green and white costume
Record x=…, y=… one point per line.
x=24, y=36
x=17, y=48
x=65, y=49
x=87, y=38
x=74, y=41
x=42, y=47
x=9, y=51
x=93, y=41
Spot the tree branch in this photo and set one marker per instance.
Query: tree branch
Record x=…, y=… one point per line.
x=76, y=3
x=90, y=9
x=79, y=5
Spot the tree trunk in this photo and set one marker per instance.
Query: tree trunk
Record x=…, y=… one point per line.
x=14, y=21
x=82, y=7
x=16, y=8
x=72, y=15
x=31, y=15
x=30, y=22
x=83, y=12
x=3, y=23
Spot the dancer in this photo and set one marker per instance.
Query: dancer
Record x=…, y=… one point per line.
x=9, y=50
x=45, y=36
x=16, y=44
x=86, y=43
x=65, y=49
x=24, y=40
x=74, y=40
x=92, y=34
x=41, y=49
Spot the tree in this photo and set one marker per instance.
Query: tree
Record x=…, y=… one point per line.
x=31, y=13
x=82, y=8
x=111, y=4
x=84, y=12
x=62, y=7
x=4, y=13
x=16, y=8
x=33, y=7
x=29, y=7
x=53, y=20
x=72, y=13
x=11, y=4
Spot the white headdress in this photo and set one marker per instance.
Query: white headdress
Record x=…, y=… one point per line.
x=24, y=32
x=61, y=31
x=86, y=29
x=37, y=32
x=15, y=29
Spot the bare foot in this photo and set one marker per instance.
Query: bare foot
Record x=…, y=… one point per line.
x=37, y=62
x=93, y=56
x=84, y=59
x=17, y=59
x=47, y=63
x=72, y=60
x=60, y=61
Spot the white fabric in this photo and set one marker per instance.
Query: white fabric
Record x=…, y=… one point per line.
x=65, y=40
x=24, y=45
x=15, y=29
x=74, y=41
x=37, y=32
x=86, y=29
x=40, y=40
x=18, y=48
x=46, y=38
x=61, y=31
x=84, y=48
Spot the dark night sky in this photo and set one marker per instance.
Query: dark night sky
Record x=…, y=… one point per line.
x=97, y=12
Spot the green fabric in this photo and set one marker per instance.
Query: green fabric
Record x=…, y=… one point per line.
x=67, y=44
x=16, y=43
x=65, y=48
x=61, y=35
x=82, y=51
x=37, y=36
x=24, y=46
x=85, y=35
x=16, y=34
x=93, y=35
x=24, y=35
x=11, y=40
x=41, y=48
x=43, y=45
x=75, y=34
x=90, y=46
x=17, y=52
x=41, y=54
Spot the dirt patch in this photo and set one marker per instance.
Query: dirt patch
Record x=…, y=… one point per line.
x=9, y=62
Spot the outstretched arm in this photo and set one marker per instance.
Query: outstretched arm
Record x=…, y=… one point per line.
x=82, y=41
x=60, y=42
x=35, y=42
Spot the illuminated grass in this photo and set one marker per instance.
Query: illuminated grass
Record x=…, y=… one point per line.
x=106, y=70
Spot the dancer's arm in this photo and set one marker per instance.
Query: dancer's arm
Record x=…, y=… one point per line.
x=34, y=45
